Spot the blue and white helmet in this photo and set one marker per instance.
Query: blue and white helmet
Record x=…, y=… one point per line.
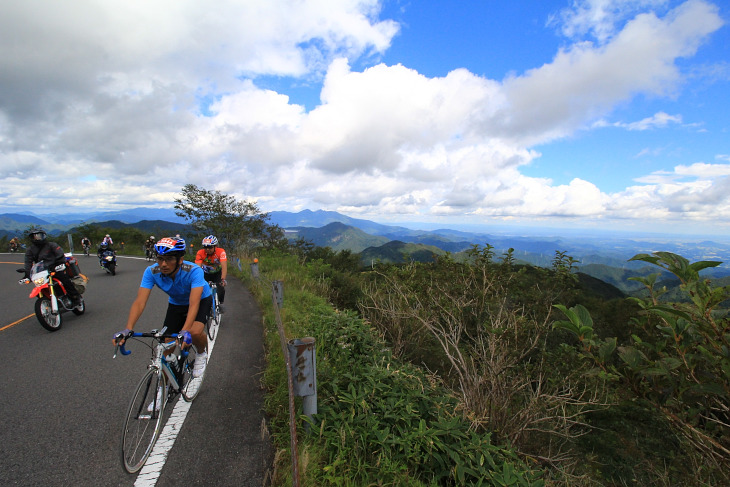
x=210, y=241
x=170, y=246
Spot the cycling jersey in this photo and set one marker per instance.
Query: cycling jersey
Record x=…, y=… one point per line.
x=187, y=277
x=211, y=263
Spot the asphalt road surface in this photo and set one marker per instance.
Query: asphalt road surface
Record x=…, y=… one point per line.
x=63, y=398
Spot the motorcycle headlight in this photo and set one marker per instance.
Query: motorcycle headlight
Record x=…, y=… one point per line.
x=39, y=281
x=109, y=258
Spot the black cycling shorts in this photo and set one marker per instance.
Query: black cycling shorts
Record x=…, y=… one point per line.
x=178, y=313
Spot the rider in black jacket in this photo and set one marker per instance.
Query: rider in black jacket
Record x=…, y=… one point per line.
x=52, y=255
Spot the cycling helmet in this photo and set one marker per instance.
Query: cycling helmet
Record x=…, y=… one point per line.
x=170, y=246
x=210, y=241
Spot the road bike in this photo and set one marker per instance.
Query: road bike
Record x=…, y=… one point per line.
x=215, y=316
x=169, y=373
x=150, y=253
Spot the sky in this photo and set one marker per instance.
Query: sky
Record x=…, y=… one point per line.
x=596, y=114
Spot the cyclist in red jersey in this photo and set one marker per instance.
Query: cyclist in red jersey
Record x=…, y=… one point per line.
x=214, y=262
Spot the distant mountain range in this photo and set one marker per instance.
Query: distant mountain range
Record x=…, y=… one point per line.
x=69, y=220
x=603, y=256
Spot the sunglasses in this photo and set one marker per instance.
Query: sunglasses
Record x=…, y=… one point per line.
x=170, y=258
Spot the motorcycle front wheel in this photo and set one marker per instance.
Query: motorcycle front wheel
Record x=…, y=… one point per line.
x=47, y=319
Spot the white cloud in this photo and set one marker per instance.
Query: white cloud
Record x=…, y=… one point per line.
x=109, y=96
x=658, y=120
x=585, y=82
x=600, y=18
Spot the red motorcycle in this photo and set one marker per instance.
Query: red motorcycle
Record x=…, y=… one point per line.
x=52, y=300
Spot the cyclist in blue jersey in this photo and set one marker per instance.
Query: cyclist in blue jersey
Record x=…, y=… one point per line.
x=189, y=302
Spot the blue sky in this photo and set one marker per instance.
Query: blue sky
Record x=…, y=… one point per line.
x=603, y=114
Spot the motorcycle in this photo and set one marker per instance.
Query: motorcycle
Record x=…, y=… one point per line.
x=52, y=299
x=109, y=262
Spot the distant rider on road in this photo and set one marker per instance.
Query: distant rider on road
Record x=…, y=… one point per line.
x=214, y=262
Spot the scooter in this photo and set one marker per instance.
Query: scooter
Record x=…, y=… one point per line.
x=52, y=297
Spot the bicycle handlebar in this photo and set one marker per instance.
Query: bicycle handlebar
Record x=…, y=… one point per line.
x=154, y=334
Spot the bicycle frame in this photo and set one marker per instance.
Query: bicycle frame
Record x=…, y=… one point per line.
x=158, y=360
x=214, y=289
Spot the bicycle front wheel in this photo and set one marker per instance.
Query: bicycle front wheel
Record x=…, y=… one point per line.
x=143, y=423
x=189, y=385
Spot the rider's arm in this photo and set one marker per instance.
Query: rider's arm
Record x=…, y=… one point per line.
x=58, y=252
x=138, y=306
x=194, y=306
x=223, y=259
x=199, y=256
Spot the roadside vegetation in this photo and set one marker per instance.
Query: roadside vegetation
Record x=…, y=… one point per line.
x=485, y=372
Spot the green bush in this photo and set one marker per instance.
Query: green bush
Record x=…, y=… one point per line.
x=676, y=363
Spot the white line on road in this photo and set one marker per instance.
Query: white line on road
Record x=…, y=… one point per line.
x=153, y=467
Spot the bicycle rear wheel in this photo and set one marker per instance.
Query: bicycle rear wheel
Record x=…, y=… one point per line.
x=143, y=423
x=211, y=325
x=189, y=385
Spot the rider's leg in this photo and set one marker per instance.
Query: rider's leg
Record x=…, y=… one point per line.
x=175, y=320
x=200, y=339
x=69, y=285
x=221, y=291
x=216, y=278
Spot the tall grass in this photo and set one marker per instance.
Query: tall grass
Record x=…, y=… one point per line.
x=380, y=421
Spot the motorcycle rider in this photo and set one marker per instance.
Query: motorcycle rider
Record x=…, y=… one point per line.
x=214, y=262
x=103, y=247
x=51, y=254
x=108, y=240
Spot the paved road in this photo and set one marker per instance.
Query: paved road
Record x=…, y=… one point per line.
x=63, y=397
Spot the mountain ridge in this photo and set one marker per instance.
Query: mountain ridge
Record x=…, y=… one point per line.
x=604, y=254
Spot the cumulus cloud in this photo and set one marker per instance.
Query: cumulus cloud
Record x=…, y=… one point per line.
x=599, y=18
x=128, y=102
x=658, y=120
